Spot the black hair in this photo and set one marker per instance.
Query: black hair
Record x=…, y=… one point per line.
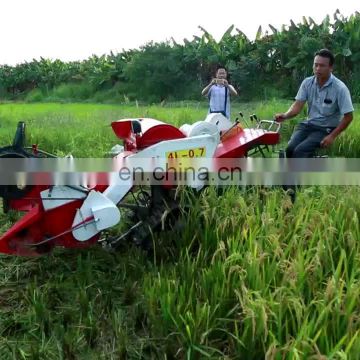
x=221, y=67
x=327, y=54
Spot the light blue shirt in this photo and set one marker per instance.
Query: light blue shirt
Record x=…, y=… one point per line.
x=326, y=105
x=217, y=99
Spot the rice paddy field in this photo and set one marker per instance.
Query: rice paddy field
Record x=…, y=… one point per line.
x=251, y=276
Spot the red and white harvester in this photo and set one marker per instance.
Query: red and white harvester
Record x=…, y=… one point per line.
x=75, y=216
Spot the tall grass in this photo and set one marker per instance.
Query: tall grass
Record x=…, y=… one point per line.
x=84, y=129
x=251, y=276
x=263, y=277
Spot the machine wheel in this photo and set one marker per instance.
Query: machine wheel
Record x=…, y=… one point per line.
x=162, y=213
x=12, y=192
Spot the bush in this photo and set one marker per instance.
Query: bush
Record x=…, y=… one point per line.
x=35, y=95
x=71, y=91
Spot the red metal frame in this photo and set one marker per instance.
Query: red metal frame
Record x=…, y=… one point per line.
x=39, y=231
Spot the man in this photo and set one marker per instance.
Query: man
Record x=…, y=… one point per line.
x=219, y=91
x=329, y=109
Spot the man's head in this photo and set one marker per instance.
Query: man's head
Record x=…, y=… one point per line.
x=323, y=64
x=221, y=73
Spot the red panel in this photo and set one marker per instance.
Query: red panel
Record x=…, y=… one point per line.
x=122, y=128
x=239, y=144
x=157, y=133
x=152, y=132
x=39, y=225
x=20, y=229
x=31, y=198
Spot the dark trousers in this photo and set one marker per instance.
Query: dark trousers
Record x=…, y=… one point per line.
x=306, y=140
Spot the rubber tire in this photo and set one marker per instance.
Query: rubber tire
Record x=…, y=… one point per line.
x=12, y=192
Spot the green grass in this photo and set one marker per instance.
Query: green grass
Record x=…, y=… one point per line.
x=81, y=129
x=84, y=129
x=251, y=276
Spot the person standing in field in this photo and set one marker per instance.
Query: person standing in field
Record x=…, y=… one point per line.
x=218, y=91
x=329, y=109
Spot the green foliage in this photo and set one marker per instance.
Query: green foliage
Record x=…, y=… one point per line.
x=173, y=71
x=76, y=92
x=35, y=95
x=157, y=73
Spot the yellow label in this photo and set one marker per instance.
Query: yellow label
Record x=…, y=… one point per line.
x=186, y=154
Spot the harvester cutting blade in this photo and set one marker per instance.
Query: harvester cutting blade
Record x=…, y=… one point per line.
x=39, y=231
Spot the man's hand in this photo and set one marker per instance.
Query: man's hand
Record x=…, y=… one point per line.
x=225, y=82
x=280, y=117
x=294, y=110
x=327, y=141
